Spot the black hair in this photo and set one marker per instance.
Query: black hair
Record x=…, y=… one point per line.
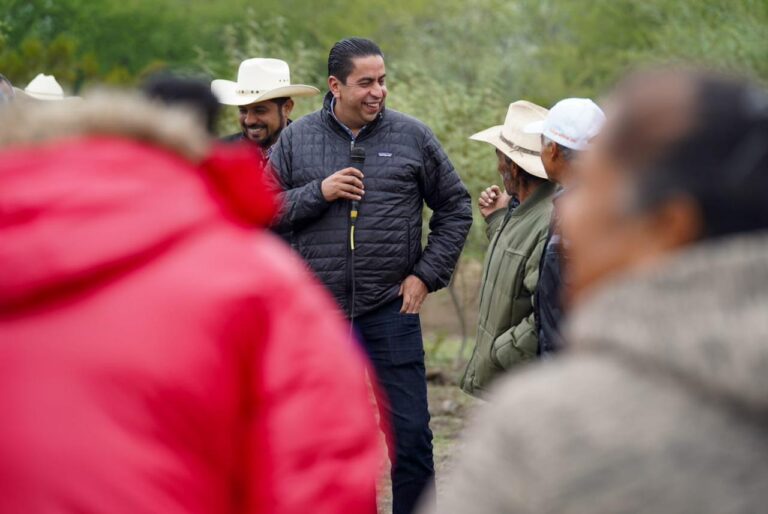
x=195, y=93
x=720, y=161
x=280, y=101
x=340, y=63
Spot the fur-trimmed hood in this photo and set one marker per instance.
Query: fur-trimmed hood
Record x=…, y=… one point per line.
x=98, y=186
x=105, y=113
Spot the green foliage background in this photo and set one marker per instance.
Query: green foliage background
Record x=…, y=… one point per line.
x=455, y=64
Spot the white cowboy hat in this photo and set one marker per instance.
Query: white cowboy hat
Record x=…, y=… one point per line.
x=524, y=149
x=259, y=80
x=46, y=87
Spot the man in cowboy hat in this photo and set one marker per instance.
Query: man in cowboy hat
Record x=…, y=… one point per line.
x=565, y=133
x=506, y=332
x=47, y=88
x=264, y=95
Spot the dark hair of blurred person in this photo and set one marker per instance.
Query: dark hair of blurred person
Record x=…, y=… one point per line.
x=193, y=93
x=160, y=351
x=689, y=164
x=660, y=402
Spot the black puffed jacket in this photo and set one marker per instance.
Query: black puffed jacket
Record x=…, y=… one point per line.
x=405, y=167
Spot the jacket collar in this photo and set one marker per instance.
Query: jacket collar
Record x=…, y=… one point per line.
x=329, y=117
x=543, y=193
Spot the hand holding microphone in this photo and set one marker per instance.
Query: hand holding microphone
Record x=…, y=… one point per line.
x=346, y=184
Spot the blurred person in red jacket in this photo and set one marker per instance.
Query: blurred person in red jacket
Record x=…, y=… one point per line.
x=157, y=354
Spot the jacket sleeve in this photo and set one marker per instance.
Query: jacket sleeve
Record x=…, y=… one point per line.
x=313, y=440
x=445, y=194
x=520, y=342
x=299, y=203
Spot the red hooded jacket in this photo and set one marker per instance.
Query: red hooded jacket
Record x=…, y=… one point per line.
x=157, y=353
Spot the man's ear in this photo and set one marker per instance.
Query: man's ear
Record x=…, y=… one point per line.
x=514, y=169
x=677, y=222
x=554, y=151
x=288, y=107
x=334, y=85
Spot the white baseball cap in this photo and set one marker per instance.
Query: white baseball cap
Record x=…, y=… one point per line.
x=572, y=122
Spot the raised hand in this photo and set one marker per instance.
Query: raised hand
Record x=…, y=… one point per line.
x=491, y=200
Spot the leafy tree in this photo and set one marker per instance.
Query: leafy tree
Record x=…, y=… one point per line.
x=454, y=64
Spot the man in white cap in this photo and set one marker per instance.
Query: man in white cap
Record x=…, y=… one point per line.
x=567, y=131
x=506, y=332
x=264, y=95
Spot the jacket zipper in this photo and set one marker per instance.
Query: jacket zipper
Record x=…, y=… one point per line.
x=350, y=277
x=364, y=132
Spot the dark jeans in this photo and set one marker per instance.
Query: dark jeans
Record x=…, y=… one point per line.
x=393, y=343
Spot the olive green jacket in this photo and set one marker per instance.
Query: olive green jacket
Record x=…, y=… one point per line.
x=506, y=331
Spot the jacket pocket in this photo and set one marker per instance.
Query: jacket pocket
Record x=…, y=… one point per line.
x=482, y=368
x=405, y=343
x=507, y=285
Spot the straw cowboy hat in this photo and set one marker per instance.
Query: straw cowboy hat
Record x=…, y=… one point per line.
x=259, y=80
x=524, y=149
x=46, y=87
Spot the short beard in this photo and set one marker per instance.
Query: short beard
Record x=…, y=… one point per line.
x=272, y=139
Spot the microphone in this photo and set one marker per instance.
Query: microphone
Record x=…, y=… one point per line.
x=357, y=156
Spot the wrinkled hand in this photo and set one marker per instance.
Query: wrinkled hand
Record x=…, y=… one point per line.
x=413, y=291
x=491, y=200
x=346, y=184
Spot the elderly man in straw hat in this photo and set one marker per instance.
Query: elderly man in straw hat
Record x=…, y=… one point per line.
x=506, y=332
x=264, y=95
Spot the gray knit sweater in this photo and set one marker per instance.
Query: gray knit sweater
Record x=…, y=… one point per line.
x=660, y=406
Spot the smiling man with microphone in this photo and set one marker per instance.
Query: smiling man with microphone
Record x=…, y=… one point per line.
x=356, y=177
